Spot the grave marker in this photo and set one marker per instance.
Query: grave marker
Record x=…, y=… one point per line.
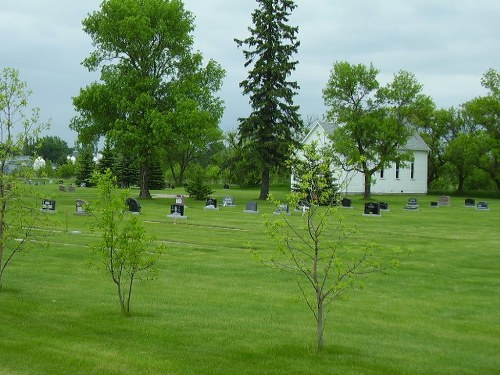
x=71, y=188
x=282, y=209
x=133, y=205
x=179, y=199
x=444, y=200
x=48, y=205
x=469, y=202
x=177, y=211
x=372, y=209
x=412, y=204
x=228, y=202
x=62, y=187
x=211, y=204
x=251, y=208
x=80, y=207
x=384, y=206
x=482, y=206
x=346, y=203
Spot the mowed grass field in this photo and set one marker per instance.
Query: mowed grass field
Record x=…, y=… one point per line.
x=215, y=309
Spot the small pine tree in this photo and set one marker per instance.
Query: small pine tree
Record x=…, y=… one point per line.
x=85, y=166
x=126, y=170
x=198, y=188
x=156, y=177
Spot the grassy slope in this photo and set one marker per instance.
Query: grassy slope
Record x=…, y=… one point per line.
x=216, y=310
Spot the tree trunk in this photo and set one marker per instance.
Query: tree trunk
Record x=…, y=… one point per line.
x=320, y=324
x=368, y=185
x=144, y=182
x=264, y=188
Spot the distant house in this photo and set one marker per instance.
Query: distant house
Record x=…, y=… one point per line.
x=410, y=179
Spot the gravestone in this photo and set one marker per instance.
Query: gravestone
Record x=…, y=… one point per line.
x=384, y=206
x=302, y=206
x=226, y=186
x=469, y=202
x=251, y=208
x=372, y=209
x=444, y=200
x=80, y=207
x=434, y=204
x=346, y=203
x=62, y=187
x=48, y=205
x=177, y=211
x=482, y=206
x=133, y=205
x=282, y=209
x=61, y=182
x=412, y=204
x=179, y=199
x=228, y=202
x=71, y=188
x=211, y=204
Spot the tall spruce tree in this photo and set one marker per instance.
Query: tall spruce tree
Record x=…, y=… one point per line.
x=274, y=120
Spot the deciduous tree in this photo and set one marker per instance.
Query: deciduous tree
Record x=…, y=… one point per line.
x=18, y=215
x=318, y=247
x=144, y=53
x=375, y=121
x=274, y=121
x=128, y=254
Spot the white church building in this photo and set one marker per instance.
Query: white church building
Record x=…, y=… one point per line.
x=408, y=179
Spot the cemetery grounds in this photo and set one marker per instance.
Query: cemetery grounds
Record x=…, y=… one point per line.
x=215, y=309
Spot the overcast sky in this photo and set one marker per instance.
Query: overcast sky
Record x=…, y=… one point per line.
x=447, y=44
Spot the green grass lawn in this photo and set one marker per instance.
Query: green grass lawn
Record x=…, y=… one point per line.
x=214, y=309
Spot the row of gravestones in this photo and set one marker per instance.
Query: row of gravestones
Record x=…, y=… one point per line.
x=177, y=209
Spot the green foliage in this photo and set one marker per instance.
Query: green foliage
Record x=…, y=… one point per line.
x=154, y=91
x=67, y=170
x=485, y=111
x=313, y=164
x=271, y=127
x=375, y=121
x=318, y=248
x=126, y=250
x=85, y=167
x=18, y=215
x=54, y=149
x=198, y=187
x=156, y=176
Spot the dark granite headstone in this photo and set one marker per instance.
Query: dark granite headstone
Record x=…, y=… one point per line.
x=469, y=202
x=372, y=208
x=48, y=205
x=346, y=203
x=482, y=206
x=211, y=204
x=384, y=206
x=226, y=186
x=434, y=204
x=133, y=205
x=177, y=209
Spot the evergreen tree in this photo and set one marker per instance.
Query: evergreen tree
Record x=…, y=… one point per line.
x=85, y=166
x=274, y=120
x=126, y=170
x=156, y=176
x=107, y=160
